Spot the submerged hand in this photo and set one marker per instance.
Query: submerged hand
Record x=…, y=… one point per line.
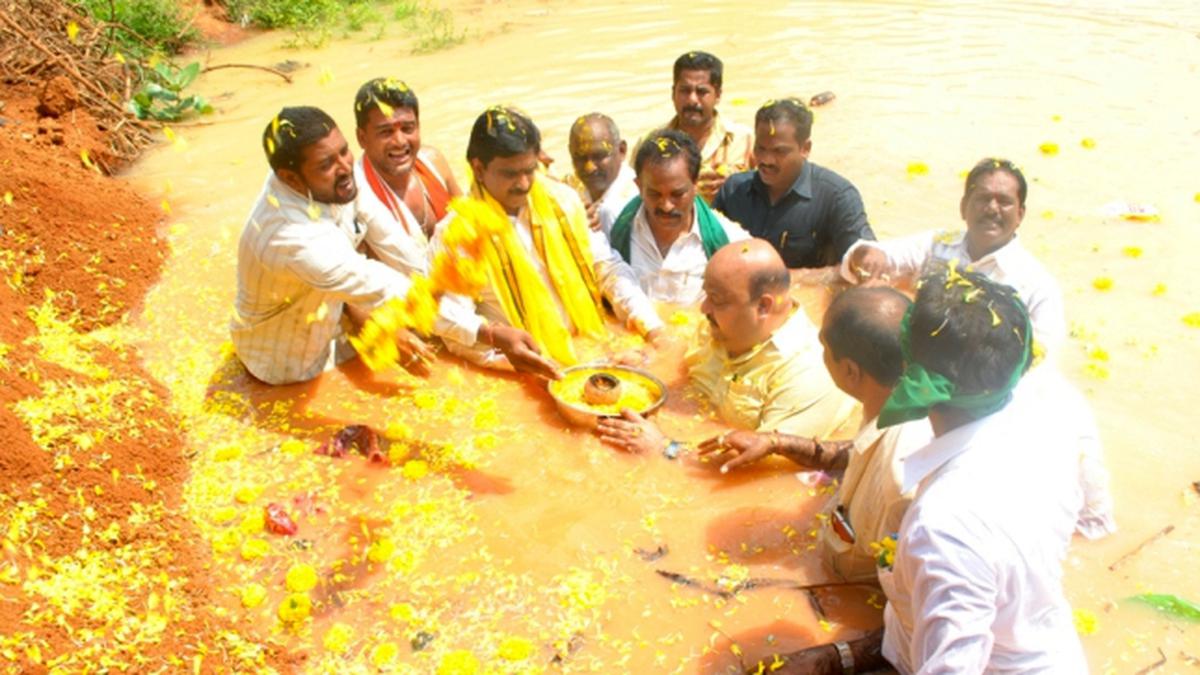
x=415, y=353
x=631, y=432
x=743, y=447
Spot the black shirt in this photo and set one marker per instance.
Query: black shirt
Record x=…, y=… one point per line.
x=814, y=223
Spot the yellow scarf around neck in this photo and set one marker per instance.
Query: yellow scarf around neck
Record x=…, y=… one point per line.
x=562, y=243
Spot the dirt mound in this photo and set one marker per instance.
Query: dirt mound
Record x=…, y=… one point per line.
x=97, y=566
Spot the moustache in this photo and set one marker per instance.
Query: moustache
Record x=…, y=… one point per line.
x=693, y=108
x=668, y=214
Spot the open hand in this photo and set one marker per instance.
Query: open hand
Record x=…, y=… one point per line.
x=741, y=447
x=631, y=432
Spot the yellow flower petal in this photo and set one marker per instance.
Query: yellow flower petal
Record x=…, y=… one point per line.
x=252, y=595
x=1048, y=148
x=515, y=649
x=253, y=549
x=301, y=578
x=1102, y=283
x=337, y=638
x=918, y=169
x=295, y=607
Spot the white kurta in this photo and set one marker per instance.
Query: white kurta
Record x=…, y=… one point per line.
x=403, y=246
x=977, y=582
x=678, y=276
x=297, y=264
x=616, y=198
x=1011, y=265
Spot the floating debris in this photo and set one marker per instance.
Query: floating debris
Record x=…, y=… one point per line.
x=1130, y=211
x=821, y=98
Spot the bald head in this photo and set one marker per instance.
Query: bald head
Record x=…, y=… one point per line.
x=594, y=125
x=756, y=262
x=863, y=325
x=597, y=152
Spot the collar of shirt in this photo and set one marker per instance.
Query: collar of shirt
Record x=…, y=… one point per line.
x=1010, y=258
x=922, y=463
x=620, y=185
x=794, y=336
x=802, y=186
x=296, y=207
x=716, y=138
x=641, y=230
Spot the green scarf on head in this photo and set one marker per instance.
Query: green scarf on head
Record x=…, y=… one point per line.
x=919, y=389
x=712, y=235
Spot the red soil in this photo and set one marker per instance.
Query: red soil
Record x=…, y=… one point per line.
x=91, y=241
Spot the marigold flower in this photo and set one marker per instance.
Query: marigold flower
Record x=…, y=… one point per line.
x=301, y=578
x=384, y=654
x=460, y=662
x=415, y=469
x=380, y=550
x=253, y=549
x=337, y=638
x=295, y=607
x=515, y=649
x=252, y=595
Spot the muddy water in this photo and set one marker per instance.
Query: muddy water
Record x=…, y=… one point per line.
x=537, y=541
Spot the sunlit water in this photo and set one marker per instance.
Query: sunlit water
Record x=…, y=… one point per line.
x=538, y=541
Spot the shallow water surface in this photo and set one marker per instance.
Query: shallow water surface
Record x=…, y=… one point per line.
x=524, y=530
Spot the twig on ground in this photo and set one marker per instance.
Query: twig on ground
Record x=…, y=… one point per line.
x=1156, y=665
x=1161, y=533
x=285, y=76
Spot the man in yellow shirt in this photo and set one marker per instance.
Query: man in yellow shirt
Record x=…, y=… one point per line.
x=725, y=146
x=757, y=362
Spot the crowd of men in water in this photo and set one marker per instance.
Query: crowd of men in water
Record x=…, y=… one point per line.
x=962, y=405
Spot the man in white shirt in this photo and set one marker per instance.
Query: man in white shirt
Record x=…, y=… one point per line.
x=300, y=268
x=399, y=176
x=861, y=339
x=526, y=310
x=993, y=206
x=601, y=177
x=668, y=233
x=975, y=584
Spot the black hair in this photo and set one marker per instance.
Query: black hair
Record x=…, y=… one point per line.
x=863, y=325
x=502, y=132
x=700, y=61
x=968, y=328
x=387, y=91
x=292, y=130
x=663, y=146
x=990, y=165
x=790, y=110
x=603, y=119
x=776, y=279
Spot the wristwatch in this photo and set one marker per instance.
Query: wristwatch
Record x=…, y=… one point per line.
x=847, y=657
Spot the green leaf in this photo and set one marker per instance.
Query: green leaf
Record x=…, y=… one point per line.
x=1170, y=604
x=186, y=76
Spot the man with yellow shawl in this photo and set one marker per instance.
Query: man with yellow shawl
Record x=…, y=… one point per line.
x=546, y=271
